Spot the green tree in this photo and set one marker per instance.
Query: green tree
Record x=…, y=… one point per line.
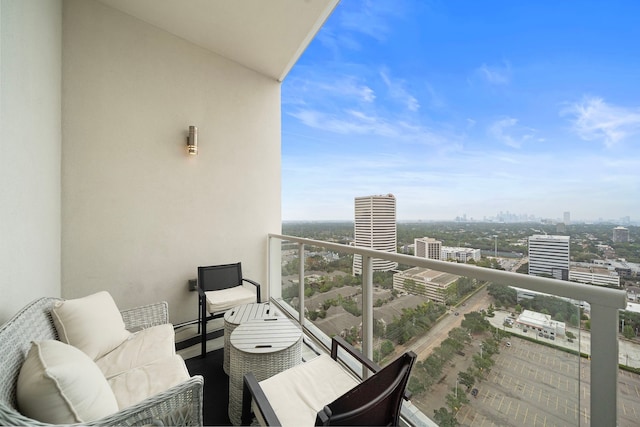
x=475, y=322
x=416, y=386
x=628, y=332
x=444, y=418
x=491, y=311
x=466, y=378
x=506, y=295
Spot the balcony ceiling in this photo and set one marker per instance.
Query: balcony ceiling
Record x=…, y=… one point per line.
x=265, y=36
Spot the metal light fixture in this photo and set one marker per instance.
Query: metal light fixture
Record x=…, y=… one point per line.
x=192, y=140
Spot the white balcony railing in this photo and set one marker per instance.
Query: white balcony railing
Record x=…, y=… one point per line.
x=604, y=302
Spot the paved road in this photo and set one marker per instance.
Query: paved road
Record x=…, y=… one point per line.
x=425, y=344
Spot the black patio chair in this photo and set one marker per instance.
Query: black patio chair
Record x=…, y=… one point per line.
x=220, y=288
x=323, y=392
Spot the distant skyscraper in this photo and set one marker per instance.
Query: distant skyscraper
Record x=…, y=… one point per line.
x=620, y=235
x=428, y=247
x=375, y=228
x=567, y=218
x=549, y=256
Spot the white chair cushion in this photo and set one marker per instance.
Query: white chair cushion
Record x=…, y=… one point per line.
x=60, y=384
x=93, y=324
x=226, y=299
x=143, y=347
x=137, y=384
x=297, y=394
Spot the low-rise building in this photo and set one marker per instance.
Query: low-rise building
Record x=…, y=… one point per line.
x=594, y=274
x=540, y=323
x=460, y=254
x=425, y=282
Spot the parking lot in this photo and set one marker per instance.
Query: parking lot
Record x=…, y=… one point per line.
x=533, y=385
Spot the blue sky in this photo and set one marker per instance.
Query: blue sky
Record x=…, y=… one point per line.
x=467, y=107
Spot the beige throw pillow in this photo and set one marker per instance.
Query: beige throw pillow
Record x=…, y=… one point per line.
x=93, y=324
x=59, y=384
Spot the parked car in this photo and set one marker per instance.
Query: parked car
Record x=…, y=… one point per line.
x=474, y=392
x=508, y=344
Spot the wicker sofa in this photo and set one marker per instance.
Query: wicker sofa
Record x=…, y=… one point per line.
x=179, y=405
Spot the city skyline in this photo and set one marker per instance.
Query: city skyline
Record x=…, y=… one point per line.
x=466, y=109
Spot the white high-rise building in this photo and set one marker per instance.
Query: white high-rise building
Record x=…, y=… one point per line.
x=620, y=235
x=567, y=218
x=375, y=228
x=549, y=256
x=428, y=247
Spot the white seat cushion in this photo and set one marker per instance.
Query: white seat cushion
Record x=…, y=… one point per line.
x=93, y=324
x=297, y=394
x=60, y=384
x=226, y=299
x=137, y=384
x=143, y=347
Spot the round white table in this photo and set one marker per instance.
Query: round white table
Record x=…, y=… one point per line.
x=239, y=315
x=264, y=347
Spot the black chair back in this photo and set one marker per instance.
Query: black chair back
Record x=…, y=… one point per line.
x=217, y=277
x=374, y=402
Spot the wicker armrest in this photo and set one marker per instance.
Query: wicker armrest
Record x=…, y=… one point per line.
x=181, y=405
x=146, y=316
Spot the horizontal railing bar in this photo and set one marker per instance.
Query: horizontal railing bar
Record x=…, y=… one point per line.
x=614, y=298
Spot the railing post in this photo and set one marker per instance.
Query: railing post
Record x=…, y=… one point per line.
x=275, y=270
x=604, y=365
x=301, y=283
x=367, y=309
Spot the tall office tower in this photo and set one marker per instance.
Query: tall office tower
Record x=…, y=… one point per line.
x=428, y=247
x=567, y=218
x=549, y=256
x=375, y=228
x=620, y=235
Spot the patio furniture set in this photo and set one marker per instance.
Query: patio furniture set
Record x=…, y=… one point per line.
x=84, y=362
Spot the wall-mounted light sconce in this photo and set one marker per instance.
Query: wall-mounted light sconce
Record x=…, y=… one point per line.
x=192, y=140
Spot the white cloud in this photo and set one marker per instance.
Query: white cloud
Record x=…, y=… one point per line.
x=507, y=131
x=594, y=119
x=397, y=91
x=495, y=75
x=358, y=122
x=370, y=18
x=323, y=87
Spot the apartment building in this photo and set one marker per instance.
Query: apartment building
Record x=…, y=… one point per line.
x=460, y=254
x=549, y=256
x=375, y=228
x=428, y=247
